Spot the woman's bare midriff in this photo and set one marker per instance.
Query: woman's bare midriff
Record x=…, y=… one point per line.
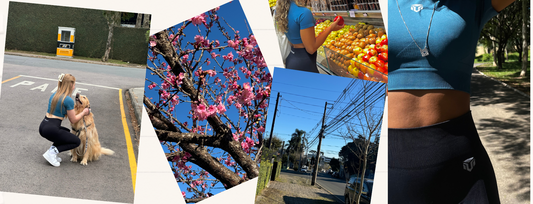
x=418, y=108
x=301, y=45
x=48, y=115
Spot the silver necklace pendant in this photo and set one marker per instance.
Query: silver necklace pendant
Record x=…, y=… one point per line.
x=417, y=7
x=424, y=52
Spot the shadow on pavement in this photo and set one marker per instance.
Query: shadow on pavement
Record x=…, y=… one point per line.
x=488, y=92
x=505, y=135
x=296, y=200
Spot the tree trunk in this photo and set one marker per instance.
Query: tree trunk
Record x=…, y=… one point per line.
x=112, y=18
x=146, y=21
x=524, y=42
x=365, y=159
x=138, y=23
x=494, y=54
x=108, y=43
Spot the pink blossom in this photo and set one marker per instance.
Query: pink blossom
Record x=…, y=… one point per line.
x=165, y=85
x=213, y=55
x=199, y=38
x=212, y=110
x=179, y=79
x=165, y=95
x=197, y=20
x=229, y=57
x=221, y=108
x=231, y=43
x=175, y=100
x=250, y=142
x=230, y=99
x=201, y=112
x=183, y=193
x=261, y=129
x=245, y=147
x=152, y=43
x=246, y=95
x=217, y=43
x=236, y=137
x=151, y=86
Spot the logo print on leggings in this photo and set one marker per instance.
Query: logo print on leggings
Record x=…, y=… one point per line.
x=417, y=7
x=469, y=164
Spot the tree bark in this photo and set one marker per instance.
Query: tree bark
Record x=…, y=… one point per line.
x=146, y=21
x=112, y=18
x=524, y=41
x=138, y=22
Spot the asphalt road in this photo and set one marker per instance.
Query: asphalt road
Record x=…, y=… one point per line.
x=23, y=104
x=334, y=185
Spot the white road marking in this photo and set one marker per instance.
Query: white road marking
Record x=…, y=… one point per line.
x=41, y=87
x=100, y=86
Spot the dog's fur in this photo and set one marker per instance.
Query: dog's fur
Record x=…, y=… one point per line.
x=94, y=150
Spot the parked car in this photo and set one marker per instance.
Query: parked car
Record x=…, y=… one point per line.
x=353, y=185
x=304, y=169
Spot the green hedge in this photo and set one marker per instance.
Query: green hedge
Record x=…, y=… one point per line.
x=265, y=169
x=33, y=27
x=276, y=170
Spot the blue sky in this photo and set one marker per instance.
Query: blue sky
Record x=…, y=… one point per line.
x=301, y=105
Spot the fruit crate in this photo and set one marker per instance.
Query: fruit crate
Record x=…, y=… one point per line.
x=344, y=66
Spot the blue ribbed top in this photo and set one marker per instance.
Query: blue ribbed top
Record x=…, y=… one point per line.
x=452, y=43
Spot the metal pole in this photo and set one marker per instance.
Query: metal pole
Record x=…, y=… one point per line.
x=320, y=135
x=273, y=122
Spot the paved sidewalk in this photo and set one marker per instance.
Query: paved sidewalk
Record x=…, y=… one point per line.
x=294, y=190
x=502, y=117
x=74, y=60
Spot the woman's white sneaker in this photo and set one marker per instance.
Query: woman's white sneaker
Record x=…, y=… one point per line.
x=51, y=156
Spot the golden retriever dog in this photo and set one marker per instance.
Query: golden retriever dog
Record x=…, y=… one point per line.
x=85, y=129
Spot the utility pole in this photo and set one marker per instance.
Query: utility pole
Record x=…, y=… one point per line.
x=320, y=135
x=273, y=122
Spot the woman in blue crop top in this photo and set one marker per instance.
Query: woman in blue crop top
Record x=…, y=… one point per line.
x=60, y=105
x=434, y=151
x=298, y=24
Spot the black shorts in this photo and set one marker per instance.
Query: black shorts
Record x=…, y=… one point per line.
x=300, y=59
x=441, y=163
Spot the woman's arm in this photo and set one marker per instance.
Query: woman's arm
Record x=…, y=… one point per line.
x=499, y=5
x=312, y=43
x=73, y=118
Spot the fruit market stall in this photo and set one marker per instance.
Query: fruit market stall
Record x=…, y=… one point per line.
x=360, y=49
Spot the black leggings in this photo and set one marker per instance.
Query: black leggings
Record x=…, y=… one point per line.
x=61, y=137
x=300, y=59
x=431, y=165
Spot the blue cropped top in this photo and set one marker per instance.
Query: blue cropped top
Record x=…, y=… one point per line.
x=452, y=42
x=299, y=18
x=61, y=111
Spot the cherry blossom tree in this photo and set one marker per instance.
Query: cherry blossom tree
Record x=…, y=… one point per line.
x=209, y=100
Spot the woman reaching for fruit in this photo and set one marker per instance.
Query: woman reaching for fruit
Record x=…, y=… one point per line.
x=297, y=22
x=435, y=154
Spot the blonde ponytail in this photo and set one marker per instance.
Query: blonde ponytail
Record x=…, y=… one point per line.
x=64, y=89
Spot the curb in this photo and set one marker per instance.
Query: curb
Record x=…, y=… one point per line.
x=73, y=60
x=136, y=101
x=341, y=201
x=503, y=83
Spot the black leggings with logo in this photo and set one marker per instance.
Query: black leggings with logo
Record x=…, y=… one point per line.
x=61, y=137
x=440, y=163
x=300, y=59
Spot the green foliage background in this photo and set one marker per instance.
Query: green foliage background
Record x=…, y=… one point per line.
x=33, y=27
